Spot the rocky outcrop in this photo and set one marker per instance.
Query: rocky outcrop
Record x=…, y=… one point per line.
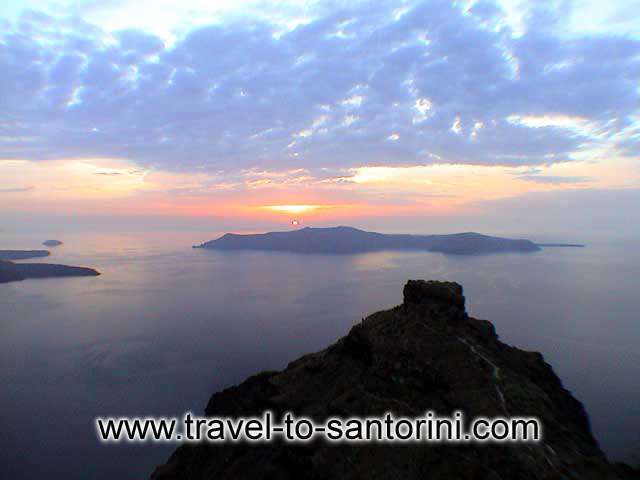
x=448, y=294
x=426, y=354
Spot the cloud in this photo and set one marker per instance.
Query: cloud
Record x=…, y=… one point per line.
x=575, y=214
x=366, y=85
x=554, y=179
x=16, y=189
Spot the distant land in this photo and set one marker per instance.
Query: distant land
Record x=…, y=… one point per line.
x=52, y=243
x=13, y=272
x=344, y=240
x=22, y=254
x=570, y=245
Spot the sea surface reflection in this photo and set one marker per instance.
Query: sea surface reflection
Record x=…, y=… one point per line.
x=165, y=326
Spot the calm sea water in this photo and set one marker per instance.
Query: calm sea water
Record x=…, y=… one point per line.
x=166, y=325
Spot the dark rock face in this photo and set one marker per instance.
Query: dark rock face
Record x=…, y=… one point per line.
x=22, y=254
x=345, y=240
x=440, y=298
x=51, y=243
x=426, y=354
x=421, y=292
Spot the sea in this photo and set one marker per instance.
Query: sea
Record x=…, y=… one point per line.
x=166, y=325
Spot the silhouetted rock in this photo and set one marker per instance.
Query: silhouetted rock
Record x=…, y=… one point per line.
x=426, y=354
x=352, y=240
x=52, y=243
x=419, y=291
x=22, y=254
x=10, y=272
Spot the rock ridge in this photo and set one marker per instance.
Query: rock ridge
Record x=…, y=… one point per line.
x=426, y=354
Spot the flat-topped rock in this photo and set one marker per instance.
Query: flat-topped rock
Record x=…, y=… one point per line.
x=420, y=291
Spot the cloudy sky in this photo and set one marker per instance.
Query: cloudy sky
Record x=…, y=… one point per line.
x=502, y=116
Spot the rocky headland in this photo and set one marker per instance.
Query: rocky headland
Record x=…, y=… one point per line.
x=426, y=354
x=13, y=272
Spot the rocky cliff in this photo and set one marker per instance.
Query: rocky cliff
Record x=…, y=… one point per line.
x=426, y=354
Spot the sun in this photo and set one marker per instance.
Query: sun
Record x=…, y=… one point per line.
x=292, y=208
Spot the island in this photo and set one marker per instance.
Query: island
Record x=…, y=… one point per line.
x=426, y=354
x=51, y=243
x=22, y=254
x=13, y=272
x=345, y=240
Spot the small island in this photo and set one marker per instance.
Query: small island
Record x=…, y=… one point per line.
x=51, y=243
x=346, y=240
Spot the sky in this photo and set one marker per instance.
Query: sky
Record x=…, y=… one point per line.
x=417, y=116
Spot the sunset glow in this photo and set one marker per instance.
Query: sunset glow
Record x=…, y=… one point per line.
x=141, y=120
x=195, y=190
x=293, y=208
